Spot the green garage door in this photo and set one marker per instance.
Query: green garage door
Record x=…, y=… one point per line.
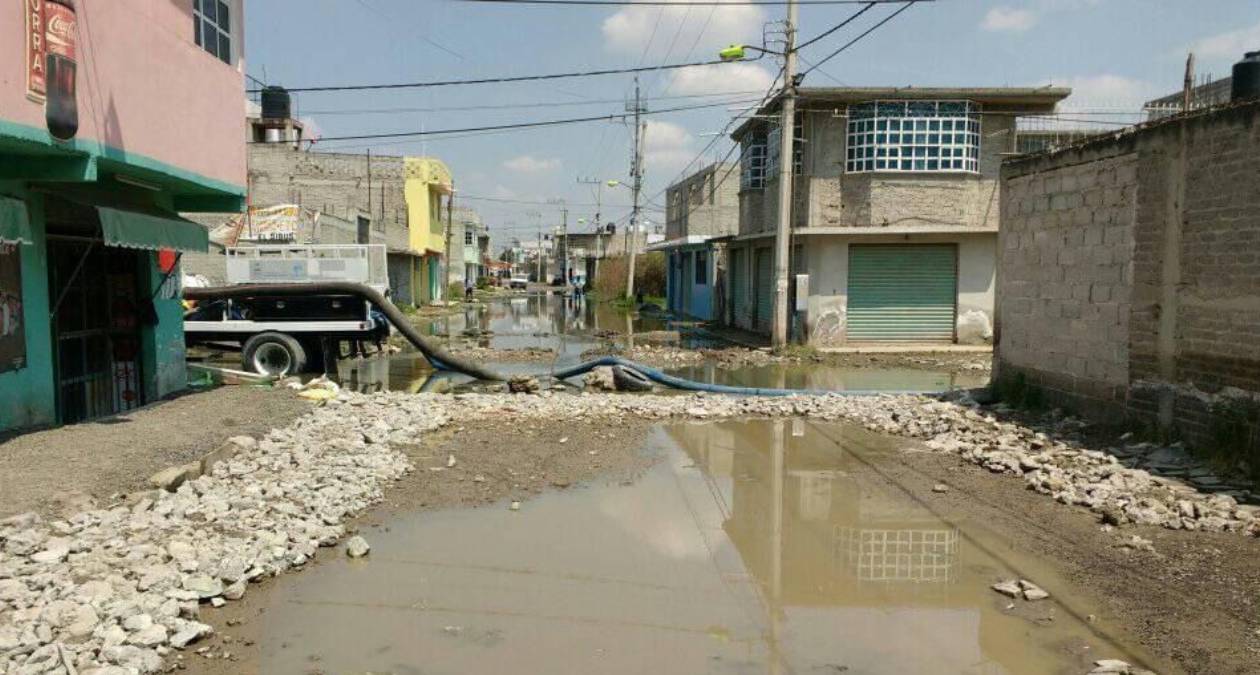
x=764, y=283
x=902, y=293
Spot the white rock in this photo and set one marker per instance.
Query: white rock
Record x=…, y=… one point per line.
x=357, y=547
x=1009, y=588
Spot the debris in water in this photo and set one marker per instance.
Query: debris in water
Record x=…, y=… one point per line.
x=1009, y=588
x=515, y=506
x=357, y=547
x=1032, y=591
x=564, y=440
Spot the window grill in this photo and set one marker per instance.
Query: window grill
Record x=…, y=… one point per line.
x=913, y=136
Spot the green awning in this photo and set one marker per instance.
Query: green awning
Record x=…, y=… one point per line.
x=15, y=224
x=152, y=231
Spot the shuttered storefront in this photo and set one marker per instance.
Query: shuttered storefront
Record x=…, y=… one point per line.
x=739, y=285
x=764, y=283
x=904, y=293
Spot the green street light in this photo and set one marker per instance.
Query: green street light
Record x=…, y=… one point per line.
x=732, y=53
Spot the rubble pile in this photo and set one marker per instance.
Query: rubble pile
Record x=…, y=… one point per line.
x=115, y=590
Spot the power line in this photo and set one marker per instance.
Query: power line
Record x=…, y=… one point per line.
x=518, y=125
x=836, y=27
x=672, y=3
x=854, y=41
x=513, y=106
x=500, y=80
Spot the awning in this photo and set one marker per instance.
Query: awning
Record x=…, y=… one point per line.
x=15, y=224
x=152, y=231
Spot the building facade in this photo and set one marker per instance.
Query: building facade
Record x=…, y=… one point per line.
x=1129, y=280
x=96, y=160
x=895, y=213
x=427, y=188
x=701, y=210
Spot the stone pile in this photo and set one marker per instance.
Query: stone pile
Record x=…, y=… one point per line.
x=115, y=590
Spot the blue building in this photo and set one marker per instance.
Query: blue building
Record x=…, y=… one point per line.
x=701, y=213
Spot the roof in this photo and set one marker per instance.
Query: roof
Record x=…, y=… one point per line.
x=689, y=240
x=1026, y=97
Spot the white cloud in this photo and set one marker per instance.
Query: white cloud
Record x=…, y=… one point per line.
x=631, y=30
x=1228, y=45
x=531, y=164
x=725, y=78
x=667, y=148
x=1008, y=19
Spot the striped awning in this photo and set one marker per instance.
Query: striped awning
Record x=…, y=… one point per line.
x=153, y=231
x=15, y=224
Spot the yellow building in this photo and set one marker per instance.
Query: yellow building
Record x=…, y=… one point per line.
x=427, y=180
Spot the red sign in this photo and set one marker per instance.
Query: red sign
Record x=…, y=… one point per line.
x=36, y=77
x=60, y=21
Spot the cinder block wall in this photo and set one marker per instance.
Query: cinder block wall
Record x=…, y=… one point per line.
x=1129, y=272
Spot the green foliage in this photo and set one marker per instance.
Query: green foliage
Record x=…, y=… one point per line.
x=455, y=291
x=483, y=283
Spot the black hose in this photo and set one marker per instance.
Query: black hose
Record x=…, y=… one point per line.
x=439, y=357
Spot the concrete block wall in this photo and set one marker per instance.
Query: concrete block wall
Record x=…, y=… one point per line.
x=704, y=203
x=1130, y=271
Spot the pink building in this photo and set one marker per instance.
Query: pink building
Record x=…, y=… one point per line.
x=114, y=116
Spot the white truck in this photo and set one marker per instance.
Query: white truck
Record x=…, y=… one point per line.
x=280, y=335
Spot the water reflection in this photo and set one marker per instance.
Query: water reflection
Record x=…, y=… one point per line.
x=832, y=377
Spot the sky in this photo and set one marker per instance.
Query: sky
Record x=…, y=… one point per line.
x=1115, y=54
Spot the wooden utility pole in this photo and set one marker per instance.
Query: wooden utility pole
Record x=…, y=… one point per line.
x=787, y=153
x=1187, y=91
x=637, y=176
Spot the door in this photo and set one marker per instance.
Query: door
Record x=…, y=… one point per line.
x=902, y=293
x=764, y=284
x=739, y=288
x=684, y=282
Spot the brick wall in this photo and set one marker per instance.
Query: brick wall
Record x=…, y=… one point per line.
x=1129, y=272
x=704, y=203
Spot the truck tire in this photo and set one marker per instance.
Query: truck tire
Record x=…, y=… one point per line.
x=273, y=354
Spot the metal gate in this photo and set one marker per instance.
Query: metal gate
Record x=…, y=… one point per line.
x=764, y=282
x=739, y=285
x=902, y=293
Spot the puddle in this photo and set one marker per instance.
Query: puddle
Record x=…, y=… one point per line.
x=832, y=378
x=753, y=547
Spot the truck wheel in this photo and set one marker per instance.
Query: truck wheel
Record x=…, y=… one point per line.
x=273, y=354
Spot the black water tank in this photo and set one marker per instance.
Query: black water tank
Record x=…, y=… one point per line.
x=275, y=103
x=1246, y=80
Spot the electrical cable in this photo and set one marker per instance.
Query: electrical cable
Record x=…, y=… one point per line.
x=836, y=27
x=868, y=31
x=514, y=106
x=679, y=3
x=497, y=127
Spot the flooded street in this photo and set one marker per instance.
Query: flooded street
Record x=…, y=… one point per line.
x=568, y=327
x=750, y=547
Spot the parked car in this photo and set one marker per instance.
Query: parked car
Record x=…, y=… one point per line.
x=518, y=282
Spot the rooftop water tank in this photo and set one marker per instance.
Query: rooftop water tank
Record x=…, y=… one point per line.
x=1246, y=80
x=275, y=103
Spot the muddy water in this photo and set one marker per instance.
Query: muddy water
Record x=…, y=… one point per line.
x=832, y=378
x=752, y=547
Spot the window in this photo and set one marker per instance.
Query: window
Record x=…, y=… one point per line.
x=914, y=136
x=774, y=141
x=469, y=238
x=212, y=28
x=702, y=268
x=752, y=164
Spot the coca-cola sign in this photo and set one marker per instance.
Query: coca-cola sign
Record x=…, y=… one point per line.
x=36, y=76
x=59, y=34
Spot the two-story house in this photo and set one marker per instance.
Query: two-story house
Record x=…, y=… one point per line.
x=701, y=211
x=895, y=212
x=115, y=115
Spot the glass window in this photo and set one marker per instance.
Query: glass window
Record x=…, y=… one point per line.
x=702, y=268
x=212, y=28
x=921, y=135
x=752, y=164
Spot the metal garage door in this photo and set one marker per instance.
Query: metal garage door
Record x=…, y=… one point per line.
x=902, y=293
x=739, y=288
x=764, y=283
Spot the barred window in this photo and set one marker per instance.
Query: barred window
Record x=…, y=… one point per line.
x=752, y=165
x=774, y=143
x=914, y=136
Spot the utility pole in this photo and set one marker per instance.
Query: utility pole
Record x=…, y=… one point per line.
x=564, y=238
x=1187, y=92
x=599, y=227
x=636, y=174
x=450, y=212
x=787, y=152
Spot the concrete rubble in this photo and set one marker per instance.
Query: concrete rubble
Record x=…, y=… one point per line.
x=119, y=589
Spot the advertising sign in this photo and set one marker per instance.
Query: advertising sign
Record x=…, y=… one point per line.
x=36, y=77
x=12, y=329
